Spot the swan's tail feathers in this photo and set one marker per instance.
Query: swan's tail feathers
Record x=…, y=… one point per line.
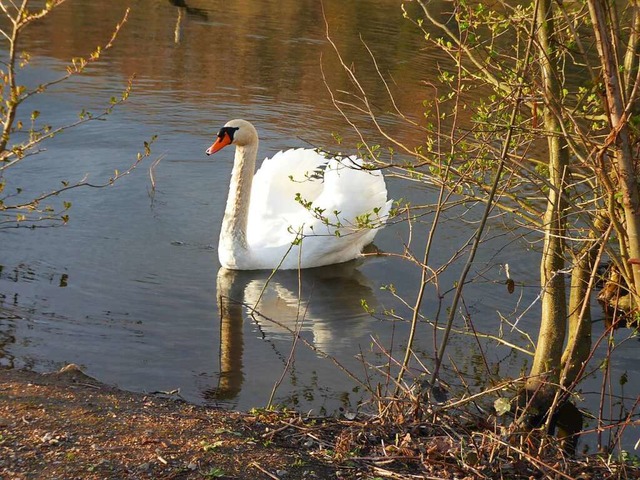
x=384, y=212
x=362, y=193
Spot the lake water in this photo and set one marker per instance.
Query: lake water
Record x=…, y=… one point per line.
x=130, y=288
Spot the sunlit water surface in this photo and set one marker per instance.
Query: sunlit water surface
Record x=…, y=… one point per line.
x=131, y=290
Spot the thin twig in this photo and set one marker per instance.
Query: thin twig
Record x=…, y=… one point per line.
x=485, y=216
x=270, y=475
x=152, y=169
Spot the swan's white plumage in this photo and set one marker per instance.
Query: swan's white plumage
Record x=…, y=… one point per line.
x=340, y=189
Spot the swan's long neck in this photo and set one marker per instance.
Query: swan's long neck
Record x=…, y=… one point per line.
x=233, y=237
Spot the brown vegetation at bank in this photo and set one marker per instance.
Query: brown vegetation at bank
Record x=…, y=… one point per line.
x=68, y=425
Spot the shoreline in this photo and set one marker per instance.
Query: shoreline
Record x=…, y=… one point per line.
x=68, y=425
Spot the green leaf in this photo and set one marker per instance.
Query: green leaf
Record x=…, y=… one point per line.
x=624, y=378
x=207, y=447
x=502, y=405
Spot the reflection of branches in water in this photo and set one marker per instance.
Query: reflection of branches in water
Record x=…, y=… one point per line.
x=194, y=12
x=7, y=337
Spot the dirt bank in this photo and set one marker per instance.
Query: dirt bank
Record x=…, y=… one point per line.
x=69, y=426
x=66, y=425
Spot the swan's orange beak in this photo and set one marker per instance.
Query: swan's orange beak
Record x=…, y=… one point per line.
x=221, y=142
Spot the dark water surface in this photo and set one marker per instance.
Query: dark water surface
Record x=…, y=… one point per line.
x=129, y=288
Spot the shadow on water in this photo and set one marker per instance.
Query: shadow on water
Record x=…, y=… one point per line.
x=196, y=12
x=319, y=301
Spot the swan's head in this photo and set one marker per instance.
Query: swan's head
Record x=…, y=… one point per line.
x=236, y=132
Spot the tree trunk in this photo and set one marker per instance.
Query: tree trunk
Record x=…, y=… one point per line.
x=546, y=363
x=579, y=333
x=619, y=137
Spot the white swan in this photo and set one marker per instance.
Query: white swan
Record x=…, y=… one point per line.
x=300, y=209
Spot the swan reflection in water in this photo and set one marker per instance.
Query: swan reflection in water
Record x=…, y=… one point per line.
x=326, y=302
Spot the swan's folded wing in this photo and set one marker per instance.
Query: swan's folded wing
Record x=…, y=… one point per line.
x=345, y=205
x=281, y=178
x=353, y=197
x=280, y=189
